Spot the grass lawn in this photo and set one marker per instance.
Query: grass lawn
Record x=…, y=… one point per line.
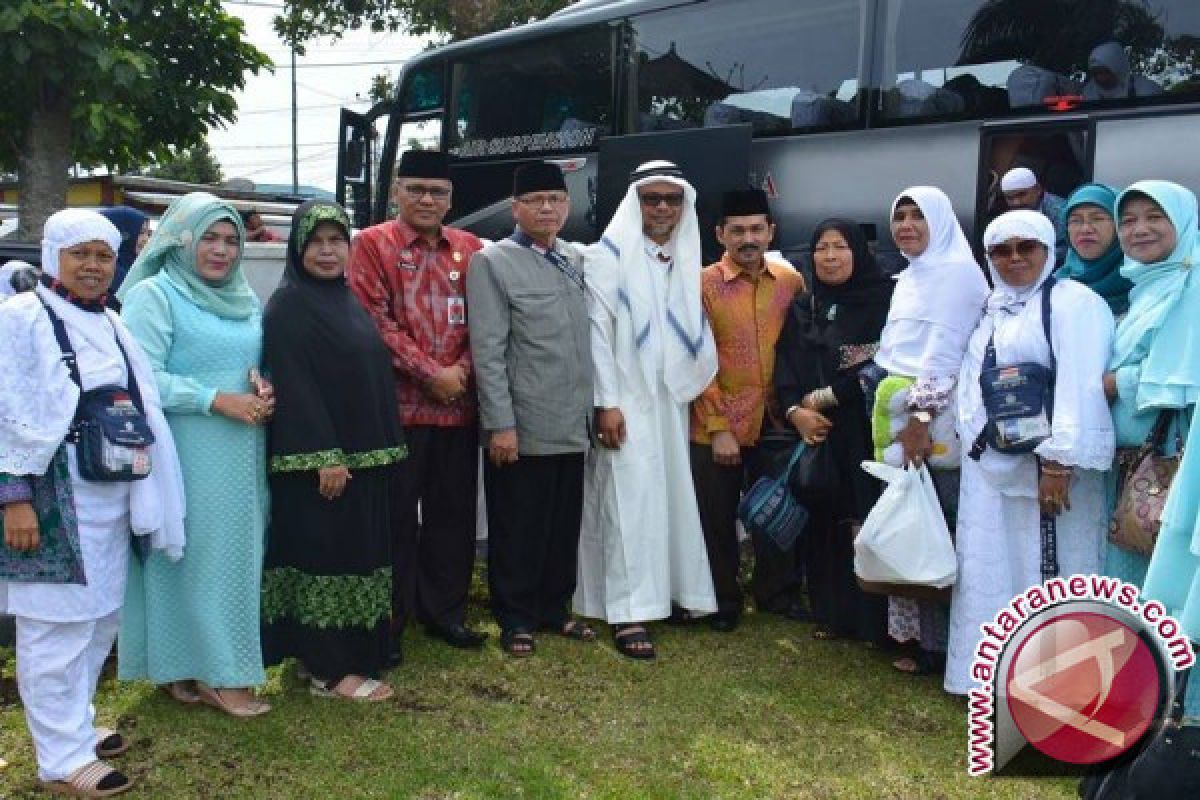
x=766, y=712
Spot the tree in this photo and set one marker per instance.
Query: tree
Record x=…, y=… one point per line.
x=195, y=164
x=303, y=20
x=1057, y=34
x=111, y=82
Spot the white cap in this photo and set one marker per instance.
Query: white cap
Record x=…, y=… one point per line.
x=1018, y=178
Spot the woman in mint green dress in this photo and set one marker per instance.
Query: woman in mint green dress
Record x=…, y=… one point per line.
x=192, y=626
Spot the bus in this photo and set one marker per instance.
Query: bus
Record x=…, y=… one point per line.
x=843, y=103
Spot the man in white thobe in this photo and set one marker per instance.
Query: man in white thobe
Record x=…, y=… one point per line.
x=641, y=548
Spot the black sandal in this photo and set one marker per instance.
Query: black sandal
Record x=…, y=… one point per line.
x=627, y=637
x=517, y=642
x=578, y=630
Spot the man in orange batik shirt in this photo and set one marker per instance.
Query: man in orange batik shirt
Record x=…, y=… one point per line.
x=746, y=298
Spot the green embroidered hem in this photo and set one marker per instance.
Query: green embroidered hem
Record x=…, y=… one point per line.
x=327, y=601
x=301, y=462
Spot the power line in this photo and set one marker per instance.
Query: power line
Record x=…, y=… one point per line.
x=302, y=109
x=276, y=146
x=387, y=62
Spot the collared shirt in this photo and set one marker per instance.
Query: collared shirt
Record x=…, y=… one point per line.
x=416, y=293
x=746, y=315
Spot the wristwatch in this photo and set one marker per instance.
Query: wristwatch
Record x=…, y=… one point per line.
x=923, y=417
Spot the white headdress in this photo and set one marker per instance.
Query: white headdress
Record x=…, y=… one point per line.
x=687, y=350
x=73, y=226
x=1018, y=178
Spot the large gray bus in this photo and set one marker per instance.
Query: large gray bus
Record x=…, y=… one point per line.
x=845, y=102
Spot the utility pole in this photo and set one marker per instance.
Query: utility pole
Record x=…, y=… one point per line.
x=295, y=141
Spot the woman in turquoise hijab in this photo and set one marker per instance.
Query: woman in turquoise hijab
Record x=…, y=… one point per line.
x=192, y=626
x=1155, y=367
x=1094, y=254
x=1152, y=367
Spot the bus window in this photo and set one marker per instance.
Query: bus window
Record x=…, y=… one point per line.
x=781, y=65
x=990, y=58
x=423, y=90
x=549, y=95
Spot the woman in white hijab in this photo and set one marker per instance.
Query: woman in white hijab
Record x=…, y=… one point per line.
x=937, y=303
x=1002, y=549
x=66, y=544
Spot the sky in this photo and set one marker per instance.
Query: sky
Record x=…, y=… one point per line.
x=329, y=76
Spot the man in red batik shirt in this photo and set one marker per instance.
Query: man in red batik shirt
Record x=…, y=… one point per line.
x=410, y=275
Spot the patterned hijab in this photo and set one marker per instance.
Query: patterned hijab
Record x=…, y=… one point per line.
x=172, y=249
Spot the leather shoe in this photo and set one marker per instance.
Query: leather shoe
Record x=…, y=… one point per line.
x=723, y=623
x=458, y=636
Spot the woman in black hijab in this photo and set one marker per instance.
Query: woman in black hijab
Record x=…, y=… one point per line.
x=829, y=338
x=333, y=442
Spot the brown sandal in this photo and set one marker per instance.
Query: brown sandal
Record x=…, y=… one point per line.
x=213, y=697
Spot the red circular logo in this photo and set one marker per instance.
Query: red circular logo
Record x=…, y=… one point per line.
x=1083, y=688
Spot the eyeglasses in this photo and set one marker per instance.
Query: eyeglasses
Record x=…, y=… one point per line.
x=417, y=191
x=539, y=200
x=654, y=199
x=1025, y=248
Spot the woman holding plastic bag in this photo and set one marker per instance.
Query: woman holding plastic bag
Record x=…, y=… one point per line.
x=936, y=305
x=1018, y=470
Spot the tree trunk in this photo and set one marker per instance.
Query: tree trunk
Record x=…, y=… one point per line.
x=43, y=168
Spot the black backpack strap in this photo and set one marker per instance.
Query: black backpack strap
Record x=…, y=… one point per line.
x=1047, y=288
x=64, y=343
x=989, y=362
x=69, y=358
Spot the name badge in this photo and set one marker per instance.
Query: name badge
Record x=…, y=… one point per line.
x=456, y=310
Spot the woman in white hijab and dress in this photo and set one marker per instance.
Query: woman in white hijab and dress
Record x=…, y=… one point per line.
x=936, y=305
x=1004, y=496
x=66, y=548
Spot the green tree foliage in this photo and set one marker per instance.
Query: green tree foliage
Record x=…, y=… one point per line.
x=111, y=82
x=303, y=20
x=1057, y=34
x=195, y=164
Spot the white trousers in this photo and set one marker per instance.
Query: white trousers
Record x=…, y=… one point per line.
x=58, y=667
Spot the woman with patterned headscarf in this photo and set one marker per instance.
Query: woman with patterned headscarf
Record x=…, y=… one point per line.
x=334, y=439
x=193, y=626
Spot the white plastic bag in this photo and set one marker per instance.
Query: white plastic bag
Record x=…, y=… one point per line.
x=904, y=539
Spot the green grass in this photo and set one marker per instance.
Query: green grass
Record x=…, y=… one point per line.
x=766, y=712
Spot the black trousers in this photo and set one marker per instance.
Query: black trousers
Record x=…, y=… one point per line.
x=433, y=554
x=777, y=576
x=534, y=508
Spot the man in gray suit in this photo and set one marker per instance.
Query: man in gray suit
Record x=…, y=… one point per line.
x=531, y=350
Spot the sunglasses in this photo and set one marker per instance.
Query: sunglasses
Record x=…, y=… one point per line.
x=654, y=199
x=1025, y=248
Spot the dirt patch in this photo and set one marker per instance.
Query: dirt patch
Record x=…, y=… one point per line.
x=491, y=691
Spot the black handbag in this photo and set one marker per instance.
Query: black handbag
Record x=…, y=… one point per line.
x=110, y=431
x=1018, y=398
x=1168, y=766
